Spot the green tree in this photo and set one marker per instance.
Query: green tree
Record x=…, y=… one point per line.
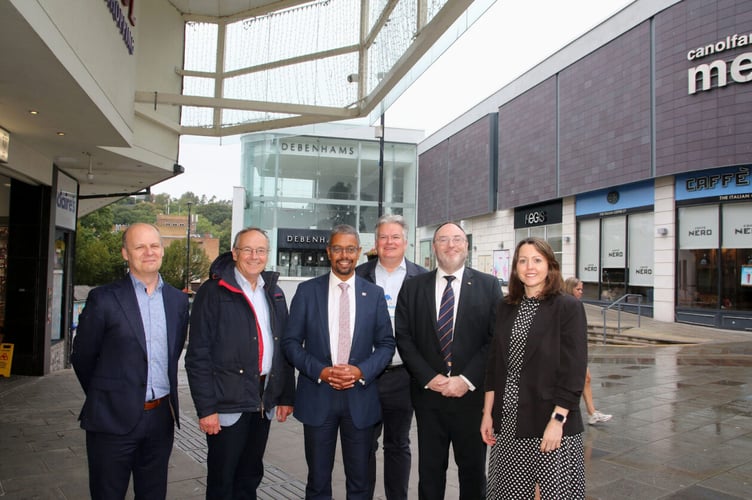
x=216, y=212
x=98, y=257
x=173, y=264
x=140, y=212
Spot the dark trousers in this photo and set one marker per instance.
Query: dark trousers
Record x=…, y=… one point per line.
x=437, y=429
x=144, y=452
x=397, y=415
x=321, y=445
x=235, y=459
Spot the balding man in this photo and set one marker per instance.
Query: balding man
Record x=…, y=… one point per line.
x=125, y=355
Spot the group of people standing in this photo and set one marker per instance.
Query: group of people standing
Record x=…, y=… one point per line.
x=373, y=346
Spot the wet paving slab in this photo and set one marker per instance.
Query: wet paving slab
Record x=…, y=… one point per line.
x=681, y=429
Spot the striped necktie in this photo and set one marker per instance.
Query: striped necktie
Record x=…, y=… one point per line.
x=446, y=323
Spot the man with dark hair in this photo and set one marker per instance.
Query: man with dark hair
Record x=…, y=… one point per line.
x=388, y=271
x=236, y=369
x=125, y=354
x=339, y=337
x=444, y=324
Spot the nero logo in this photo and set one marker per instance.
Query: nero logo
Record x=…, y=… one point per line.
x=591, y=267
x=701, y=232
x=616, y=253
x=644, y=270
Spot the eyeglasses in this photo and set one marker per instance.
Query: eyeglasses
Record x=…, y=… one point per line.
x=392, y=237
x=260, y=252
x=444, y=240
x=347, y=250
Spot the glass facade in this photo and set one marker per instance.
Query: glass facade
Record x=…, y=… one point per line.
x=615, y=256
x=715, y=257
x=306, y=182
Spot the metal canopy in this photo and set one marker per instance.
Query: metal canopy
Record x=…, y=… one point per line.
x=254, y=65
x=271, y=64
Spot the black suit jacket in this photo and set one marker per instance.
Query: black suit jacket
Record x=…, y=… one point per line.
x=415, y=331
x=553, y=366
x=109, y=355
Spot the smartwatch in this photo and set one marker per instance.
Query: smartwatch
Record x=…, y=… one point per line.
x=559, y=417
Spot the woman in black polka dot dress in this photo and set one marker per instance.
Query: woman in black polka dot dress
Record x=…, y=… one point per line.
x=534, y=379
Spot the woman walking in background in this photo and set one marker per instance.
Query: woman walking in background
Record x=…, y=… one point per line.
x=534, y=379
x=574, y=286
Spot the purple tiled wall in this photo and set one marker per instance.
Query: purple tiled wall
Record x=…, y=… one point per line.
x=454, y=177
x=527, y=147
x=598, y=113
x=708, y=128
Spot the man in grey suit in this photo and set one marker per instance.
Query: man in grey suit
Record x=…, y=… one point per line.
x=388, y=271
x=444, y=323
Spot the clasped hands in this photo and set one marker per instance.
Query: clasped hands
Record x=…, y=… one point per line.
x=341, y=377
x=450, y=387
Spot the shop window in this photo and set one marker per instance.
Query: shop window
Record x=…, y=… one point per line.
x=698, y=257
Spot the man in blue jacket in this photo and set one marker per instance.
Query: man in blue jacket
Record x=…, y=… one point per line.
x=129, y=339
x=236, y=369
x=339, y=337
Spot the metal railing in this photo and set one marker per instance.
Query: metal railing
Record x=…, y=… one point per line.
x=617, y=304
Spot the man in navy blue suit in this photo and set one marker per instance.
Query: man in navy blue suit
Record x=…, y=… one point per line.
x=125, y=355
x=339, y=337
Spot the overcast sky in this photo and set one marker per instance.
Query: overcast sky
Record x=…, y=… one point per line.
x=510, y=38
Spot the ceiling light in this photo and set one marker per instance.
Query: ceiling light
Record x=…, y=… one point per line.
x=33, y=112
x=61, y=134
x=90, y=173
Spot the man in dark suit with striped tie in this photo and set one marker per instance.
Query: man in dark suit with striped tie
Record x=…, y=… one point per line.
x=443, y=325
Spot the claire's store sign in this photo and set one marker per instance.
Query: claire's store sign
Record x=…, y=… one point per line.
x=123, y=15
x=739, y=69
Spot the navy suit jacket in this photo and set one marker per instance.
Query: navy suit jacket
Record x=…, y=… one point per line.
x=306, y=345
x=109, y=355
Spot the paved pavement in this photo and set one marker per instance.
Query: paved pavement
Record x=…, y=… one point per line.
x=682, y=428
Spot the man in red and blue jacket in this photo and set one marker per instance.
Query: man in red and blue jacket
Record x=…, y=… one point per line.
x=237, y=372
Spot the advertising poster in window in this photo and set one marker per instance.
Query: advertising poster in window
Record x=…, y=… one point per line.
x=698, y=227
x=614, y=242
x=641, y=242
x=587, y=248
x=737, y=225
x=746, y=276
x=501, y=265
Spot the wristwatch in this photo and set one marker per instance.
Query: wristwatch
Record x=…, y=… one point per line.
x=559, y=417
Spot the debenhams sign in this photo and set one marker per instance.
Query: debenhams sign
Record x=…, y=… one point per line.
x=739, y=69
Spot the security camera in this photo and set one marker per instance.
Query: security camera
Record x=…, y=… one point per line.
x=352, y=78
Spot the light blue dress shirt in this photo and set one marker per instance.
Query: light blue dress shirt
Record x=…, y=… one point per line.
x=154, y=320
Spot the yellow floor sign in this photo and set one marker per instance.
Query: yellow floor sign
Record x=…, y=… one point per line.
x=6, y=359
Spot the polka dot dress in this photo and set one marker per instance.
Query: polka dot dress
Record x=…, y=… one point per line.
x=515, y=465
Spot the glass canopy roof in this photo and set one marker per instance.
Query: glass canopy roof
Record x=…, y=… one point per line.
x=318, y=61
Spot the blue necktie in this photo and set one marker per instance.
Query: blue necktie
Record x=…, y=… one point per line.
x=446, y=323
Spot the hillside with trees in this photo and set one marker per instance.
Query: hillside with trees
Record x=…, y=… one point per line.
x=99, y=236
